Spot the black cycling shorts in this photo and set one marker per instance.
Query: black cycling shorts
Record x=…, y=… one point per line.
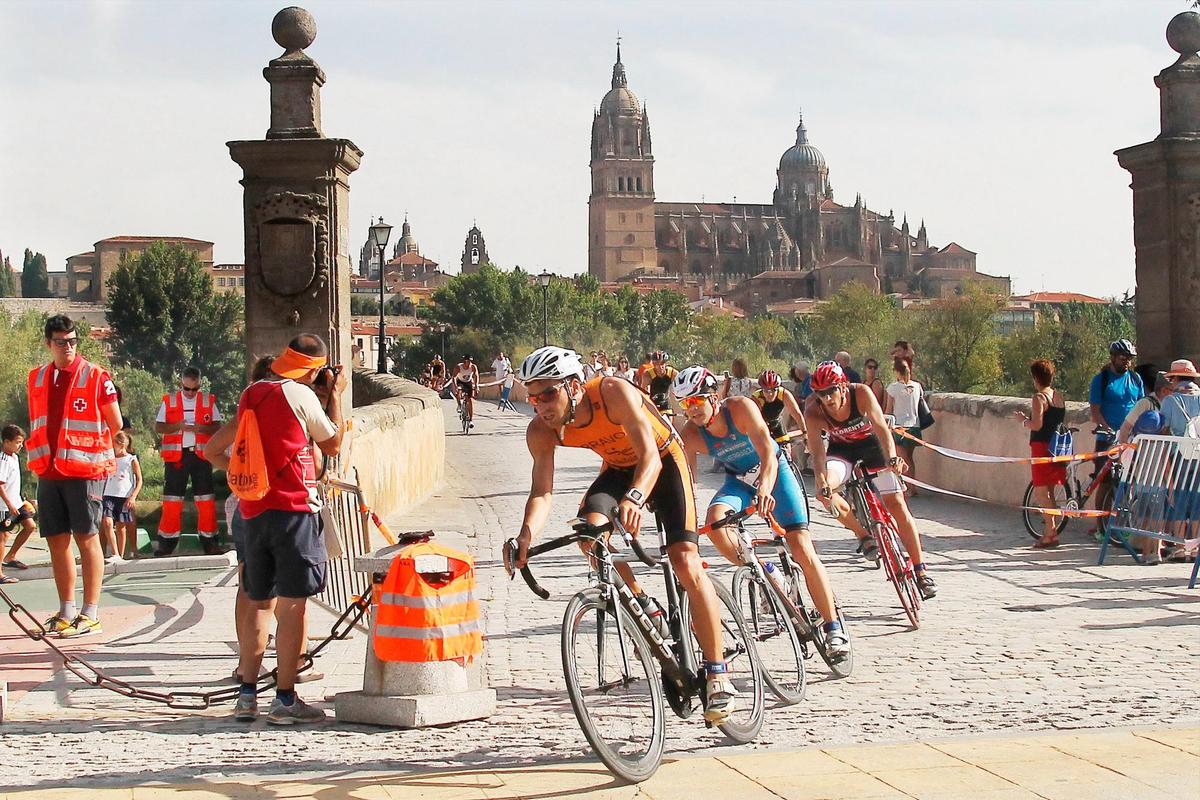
x=671, y=499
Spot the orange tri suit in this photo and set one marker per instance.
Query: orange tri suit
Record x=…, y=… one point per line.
x=672, y=496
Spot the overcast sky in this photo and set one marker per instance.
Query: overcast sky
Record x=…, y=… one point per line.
x=993, y=121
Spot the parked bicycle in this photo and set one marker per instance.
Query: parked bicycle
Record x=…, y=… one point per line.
x=1072, y=496
x=786, y=629
x=881, y=525
x=610, y=646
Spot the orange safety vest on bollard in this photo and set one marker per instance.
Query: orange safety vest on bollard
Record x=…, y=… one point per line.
x=427, y=616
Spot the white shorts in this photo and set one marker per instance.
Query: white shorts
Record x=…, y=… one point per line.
x=838, y=471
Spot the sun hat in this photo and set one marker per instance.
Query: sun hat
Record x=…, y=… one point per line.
x=1182, y=368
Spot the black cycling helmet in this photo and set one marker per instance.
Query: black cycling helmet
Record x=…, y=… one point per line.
x=1122, y=347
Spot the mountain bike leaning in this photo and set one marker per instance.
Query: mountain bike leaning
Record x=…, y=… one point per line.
x=1073, y=496
x=610, y=645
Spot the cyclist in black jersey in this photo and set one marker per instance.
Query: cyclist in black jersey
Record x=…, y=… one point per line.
x=772, y=400
x=657, y=381
x=846, y=425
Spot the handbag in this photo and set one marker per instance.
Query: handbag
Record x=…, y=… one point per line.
x=1062, y=441
x=333, y=545
x=924, y=414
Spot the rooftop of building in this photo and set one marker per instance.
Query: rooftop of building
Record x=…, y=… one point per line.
x=1061, y=297
x=145, y=239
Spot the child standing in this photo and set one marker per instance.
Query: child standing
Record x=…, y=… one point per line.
x=17, y=512
x=120, y=492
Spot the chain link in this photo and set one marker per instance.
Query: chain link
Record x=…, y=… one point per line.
x=181, y=700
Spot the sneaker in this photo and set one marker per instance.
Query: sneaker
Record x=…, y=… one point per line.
x=114, y=559
x=81, y=626
x=869, y=550
x=56, y=624
x=246, y=709
x=926, y=585
x=297, y=713
x=837, y=645
x=719, y=698
x=211, y=546
x=166, y=546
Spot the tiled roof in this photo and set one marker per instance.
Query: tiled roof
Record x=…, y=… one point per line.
x=139, y=239
x=957, y=249
x=89, y=253
x=413, y=258
x=1060, y=297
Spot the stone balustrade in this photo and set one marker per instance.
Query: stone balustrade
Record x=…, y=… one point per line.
x=397, y=446
x=986, y=424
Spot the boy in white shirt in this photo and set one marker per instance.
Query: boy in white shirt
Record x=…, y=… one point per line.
x=17, y=512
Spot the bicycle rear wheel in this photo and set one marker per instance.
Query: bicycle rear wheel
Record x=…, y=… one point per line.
x=1034, y=524
x=899, y=571
x=613, y=683
x=774, y=634
x=745, y=671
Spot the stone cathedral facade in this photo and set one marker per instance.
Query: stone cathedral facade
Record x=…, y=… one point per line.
x=801, y=244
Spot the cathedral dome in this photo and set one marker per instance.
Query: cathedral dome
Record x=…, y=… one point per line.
x=802, y=155
x=620, y=100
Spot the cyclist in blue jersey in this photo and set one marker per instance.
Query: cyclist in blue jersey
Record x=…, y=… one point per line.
x=734, y=433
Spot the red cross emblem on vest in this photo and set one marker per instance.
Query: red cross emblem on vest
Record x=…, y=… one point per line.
x=80, y=404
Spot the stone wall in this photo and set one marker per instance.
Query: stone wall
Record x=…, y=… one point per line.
x=397, y=445
x=986, y=425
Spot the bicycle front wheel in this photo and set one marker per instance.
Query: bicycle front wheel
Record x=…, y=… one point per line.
x=774, y=634
x=613, y=682
x=813, y=627
x=745, y=671
x=899, y=571
x=1034, y=520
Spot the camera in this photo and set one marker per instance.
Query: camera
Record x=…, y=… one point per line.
x=327, y=376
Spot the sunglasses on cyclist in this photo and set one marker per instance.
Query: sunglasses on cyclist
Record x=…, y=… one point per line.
x=546, y=395
x=825, y=394
x=696, y=401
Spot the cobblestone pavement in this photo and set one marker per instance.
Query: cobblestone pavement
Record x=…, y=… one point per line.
x=1018, y=641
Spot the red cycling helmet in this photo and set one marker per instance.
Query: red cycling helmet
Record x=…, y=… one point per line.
x=827, y=375
x=769, y=380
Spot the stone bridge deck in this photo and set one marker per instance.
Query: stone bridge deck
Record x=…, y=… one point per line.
x=1018, y=641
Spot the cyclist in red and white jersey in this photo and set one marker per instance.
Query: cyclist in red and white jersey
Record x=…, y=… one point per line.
x=846, y=425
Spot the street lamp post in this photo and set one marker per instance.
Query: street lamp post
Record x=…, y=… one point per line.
x=442, y=330
x=380, y=232
x=544, y=282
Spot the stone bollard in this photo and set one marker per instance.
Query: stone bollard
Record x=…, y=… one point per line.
x=403, y=694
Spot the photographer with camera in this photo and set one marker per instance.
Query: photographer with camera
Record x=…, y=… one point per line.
x=297, y=404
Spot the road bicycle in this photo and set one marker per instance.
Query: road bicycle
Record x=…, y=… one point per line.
x=769, y=595
x=1072, y=496
x=610, y=646
x=874, y=517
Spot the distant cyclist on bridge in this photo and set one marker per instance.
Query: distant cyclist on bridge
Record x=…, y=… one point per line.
x=656, y=381
x=849, y=416
x=734, y=433
x=644, y=463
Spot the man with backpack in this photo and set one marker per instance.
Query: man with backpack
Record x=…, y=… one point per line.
x=272, y=471
x=1181, y=417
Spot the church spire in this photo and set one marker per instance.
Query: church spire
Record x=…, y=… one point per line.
x=619, y=80
x=801, y=131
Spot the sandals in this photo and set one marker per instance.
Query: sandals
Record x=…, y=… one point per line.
x=1180, y=556
x=14, y=564
x=5, y=580
x=1046, y=544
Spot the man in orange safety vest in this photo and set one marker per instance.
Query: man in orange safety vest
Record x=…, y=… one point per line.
x=186, y=421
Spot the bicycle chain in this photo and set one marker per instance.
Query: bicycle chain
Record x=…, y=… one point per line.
x=181, y=700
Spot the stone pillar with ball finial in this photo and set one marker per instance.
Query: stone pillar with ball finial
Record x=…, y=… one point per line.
x=296, y=205
x=1166, y=208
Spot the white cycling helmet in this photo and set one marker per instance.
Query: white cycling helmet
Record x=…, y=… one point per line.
x=550, y=362
x=693, y=381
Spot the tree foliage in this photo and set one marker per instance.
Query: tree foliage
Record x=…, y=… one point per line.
x=165, y=316
x=35, y=278
x=966, y=357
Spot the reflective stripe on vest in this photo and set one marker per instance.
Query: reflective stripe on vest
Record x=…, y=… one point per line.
x=84, y=445
x=171, y=448
x=416, y=620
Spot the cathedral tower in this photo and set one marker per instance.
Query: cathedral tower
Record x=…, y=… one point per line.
x=803, y=183
x=621, y=205
x=474, y=251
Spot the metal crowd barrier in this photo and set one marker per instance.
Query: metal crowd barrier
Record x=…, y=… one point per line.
x=349, y=513
x=1159, y=495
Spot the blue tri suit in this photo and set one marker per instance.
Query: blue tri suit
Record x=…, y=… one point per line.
x=735, y=452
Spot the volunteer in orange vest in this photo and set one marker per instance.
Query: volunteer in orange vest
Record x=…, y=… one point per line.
x=186, y=420
x=73, y=413
x=297, y=404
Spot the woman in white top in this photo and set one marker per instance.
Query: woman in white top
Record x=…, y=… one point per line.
x=625, y=371
x=903, y=396
x=738, y=382
x=120, y=493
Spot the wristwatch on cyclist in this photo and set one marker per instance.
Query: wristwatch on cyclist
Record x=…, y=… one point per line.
x=826, y=492
x=635, y=496
x=893, y=461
